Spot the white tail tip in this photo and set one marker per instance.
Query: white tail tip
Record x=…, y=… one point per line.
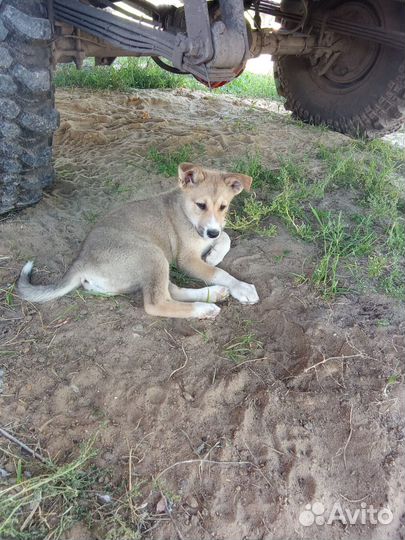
x=27, y=268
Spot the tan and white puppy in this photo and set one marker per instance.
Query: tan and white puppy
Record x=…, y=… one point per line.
x=132, y=248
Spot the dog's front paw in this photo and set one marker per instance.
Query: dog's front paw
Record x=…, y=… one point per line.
x=203, y=310
x=218, y=250
x=245, y=293
x=217, y=293
x=214, y=257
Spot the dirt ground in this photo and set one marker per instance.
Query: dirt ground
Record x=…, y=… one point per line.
x=287, y=434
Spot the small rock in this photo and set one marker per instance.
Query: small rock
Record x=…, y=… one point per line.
x=9, y=467
x=4, y=473
x=104, y=498
x=161, y=506
x=139, y=328
x=187, y=396
x=108, y=456
x=192, y=501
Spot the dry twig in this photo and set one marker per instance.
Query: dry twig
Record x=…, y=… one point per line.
x=16, y=441
x=349, y=437
x=182, y=366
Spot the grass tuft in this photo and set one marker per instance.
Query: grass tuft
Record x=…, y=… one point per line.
x=249, y=217
x=181, y=279
x=129, y=73
x=371, y=241
x=54, y=498
x=55, y=493
x=167, y=163
x=242, y=347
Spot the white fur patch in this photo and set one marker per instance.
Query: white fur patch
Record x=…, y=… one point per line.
x=27, y=268
x=203, y=310
x=219, y=249
x=96, y=284
x=245, y=293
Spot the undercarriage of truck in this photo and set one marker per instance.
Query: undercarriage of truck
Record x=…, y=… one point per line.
x=338, y=63
x=213, y=40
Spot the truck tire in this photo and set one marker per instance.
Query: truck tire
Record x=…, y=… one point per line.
x=27, y=115
x=363, y=93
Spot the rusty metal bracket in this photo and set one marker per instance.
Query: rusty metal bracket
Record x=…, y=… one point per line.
x=143, y=38
x=198, y=31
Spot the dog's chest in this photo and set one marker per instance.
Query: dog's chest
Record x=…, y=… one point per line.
x=196, y=244
x=203, y=246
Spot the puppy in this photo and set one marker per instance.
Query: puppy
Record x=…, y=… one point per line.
x=133, y=246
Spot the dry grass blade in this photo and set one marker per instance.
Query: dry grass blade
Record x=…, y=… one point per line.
x=183, y=365
x=202, y=461
x=349, y=437
x=53, y=493
x=16, y=441
x=333, y=358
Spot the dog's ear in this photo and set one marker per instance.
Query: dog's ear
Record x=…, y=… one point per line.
x=190, y=175
x=237, y=182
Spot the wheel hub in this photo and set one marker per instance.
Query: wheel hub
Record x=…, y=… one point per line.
x=353, y=58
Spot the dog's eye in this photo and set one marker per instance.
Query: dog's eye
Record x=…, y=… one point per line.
x=201, y=205
x=222, y=207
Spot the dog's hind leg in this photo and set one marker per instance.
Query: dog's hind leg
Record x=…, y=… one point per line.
x=182, y=310
x=158, y=302
x=214, y=293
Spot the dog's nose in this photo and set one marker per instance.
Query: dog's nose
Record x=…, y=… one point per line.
x=212, y=233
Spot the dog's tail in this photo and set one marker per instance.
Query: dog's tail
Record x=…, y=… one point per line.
x=43, y=293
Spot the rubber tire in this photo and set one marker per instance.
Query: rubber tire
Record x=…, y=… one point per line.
x=27, y=114
x=371, y=110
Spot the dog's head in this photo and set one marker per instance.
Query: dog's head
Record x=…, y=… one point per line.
x=207, y=195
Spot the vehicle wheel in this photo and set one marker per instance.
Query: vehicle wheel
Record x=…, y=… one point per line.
x=27, y=115
x=363, y=92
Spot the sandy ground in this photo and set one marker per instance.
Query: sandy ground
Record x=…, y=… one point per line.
x=291, y=434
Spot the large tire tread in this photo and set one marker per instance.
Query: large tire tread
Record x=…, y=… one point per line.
x=376, y=115
x=27, y=114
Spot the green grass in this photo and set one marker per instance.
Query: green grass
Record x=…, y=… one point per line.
x=250, y=210
x=91, y=216
x=368, y=244
x=54, y=498
x=263, y=177
x=129, y=73
x=181, y=279
x=167, y=163
x=242, y=347
x=8, y=294
x=369, y=168
x=113, y=187
x=325, y=272
x=253, y=212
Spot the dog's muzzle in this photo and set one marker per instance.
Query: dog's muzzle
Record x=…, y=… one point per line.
x=208, y=234
x=213, y=233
